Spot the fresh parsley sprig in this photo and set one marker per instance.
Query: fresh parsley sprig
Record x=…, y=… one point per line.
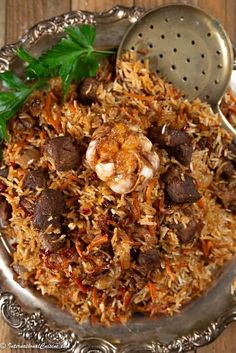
x=72, y=58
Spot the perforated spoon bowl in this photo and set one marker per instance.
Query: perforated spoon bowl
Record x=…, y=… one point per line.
x=189, y=47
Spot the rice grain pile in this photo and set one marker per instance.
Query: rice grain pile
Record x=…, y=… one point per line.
x=118, y=254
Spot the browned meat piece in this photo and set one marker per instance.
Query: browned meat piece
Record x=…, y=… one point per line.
x=227, y=195
x=52, y=242
x=48, y=210
x=203, y=143
x=36, y=179
x=183, y=153
x=232, y=149
x=176, y=142
x=180, y=187
x=19, y=273
x=4, y=172
x=87, y=91
x=44, y=222
x=166, y=136
x=189, y=232
x=5, y=212
x=27, y=205
x=150, y=259
x=228, y=170
x=63, y=152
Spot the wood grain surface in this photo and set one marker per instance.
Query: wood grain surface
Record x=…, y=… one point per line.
x=16, y=16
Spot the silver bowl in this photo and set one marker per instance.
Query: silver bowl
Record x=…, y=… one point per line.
x=39, y=319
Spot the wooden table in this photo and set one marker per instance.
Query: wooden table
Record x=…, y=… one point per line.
x=16, y=16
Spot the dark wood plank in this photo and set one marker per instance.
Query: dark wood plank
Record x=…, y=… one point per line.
x=98, y=5
x=21, y=15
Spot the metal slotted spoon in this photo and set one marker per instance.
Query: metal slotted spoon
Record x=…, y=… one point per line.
x=187, y=46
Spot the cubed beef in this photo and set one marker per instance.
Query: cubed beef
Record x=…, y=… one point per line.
x=176, y=142
x=64, y=153
x=166, y=136
x=227, y=195
x=203, y=143
x=27, y=205
x=228, y=170
x=4, y=172
x=188, y=232
x=5, y=212
x=36, y=179
x=52, y=242
x=87, y=91
x=48, y=210
x=150, y=259
x=180, y=187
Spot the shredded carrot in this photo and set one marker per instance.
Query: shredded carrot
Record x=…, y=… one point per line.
x=232, y=108
x=168, y=269
x=137, y=96
x=201, y=203
x=181, y=110
x=72, y=177
x=95, y=299
x=79, y=251
x=42, y=135
x=131, y=117
x=152, y=230
x=56, y=124
x=232, y=96
x=153, y=291
x=206, y=247
x=99, y=240
x=152, y=183
x=136, y=205
x=63, y=186
x=80, y=285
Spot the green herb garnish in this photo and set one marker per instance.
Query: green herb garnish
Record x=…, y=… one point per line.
x=72, y=58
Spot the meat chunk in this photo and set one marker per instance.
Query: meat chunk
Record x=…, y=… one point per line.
x=5, y=212
x=166, y=136
x=180, y=187
x=150, y=259
x=176, y=142
x=26, y=205
x=4, y=172
x=183, y=153
x=228, y=170
x=52, y=242
x=87, y=91
x=63, y=152
x=232, y=149
x=48, y=210
x=36, y=179
x=203, y=143
x=189, y=232
x=227, y=195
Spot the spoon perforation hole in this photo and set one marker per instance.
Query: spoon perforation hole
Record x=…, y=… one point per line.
x=133, y=48
x=162, y=36
x=140, y=35
x=185, y=78
x=151, y=26
x=161, y=56
x=157, y=71
x=175, y=50
x=202, y=56
x=181, y=18
x=188, y=60
x=178, y=35
x=207, y=96
x=193, y=42
x=142, y=61
x=150, y=46
x=173, y=67
x=219, y=66
x=218, y=52
x=196, y=88
x=209, y=34
x=203, y=72
x=216, y=82
x=166, y=20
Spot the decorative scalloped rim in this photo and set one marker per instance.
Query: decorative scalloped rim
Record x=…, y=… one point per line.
x=33, y=326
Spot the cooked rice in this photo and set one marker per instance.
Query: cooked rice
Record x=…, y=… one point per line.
x=96, y=275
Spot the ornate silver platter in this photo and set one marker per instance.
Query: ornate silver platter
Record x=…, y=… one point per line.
x=39, y=319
